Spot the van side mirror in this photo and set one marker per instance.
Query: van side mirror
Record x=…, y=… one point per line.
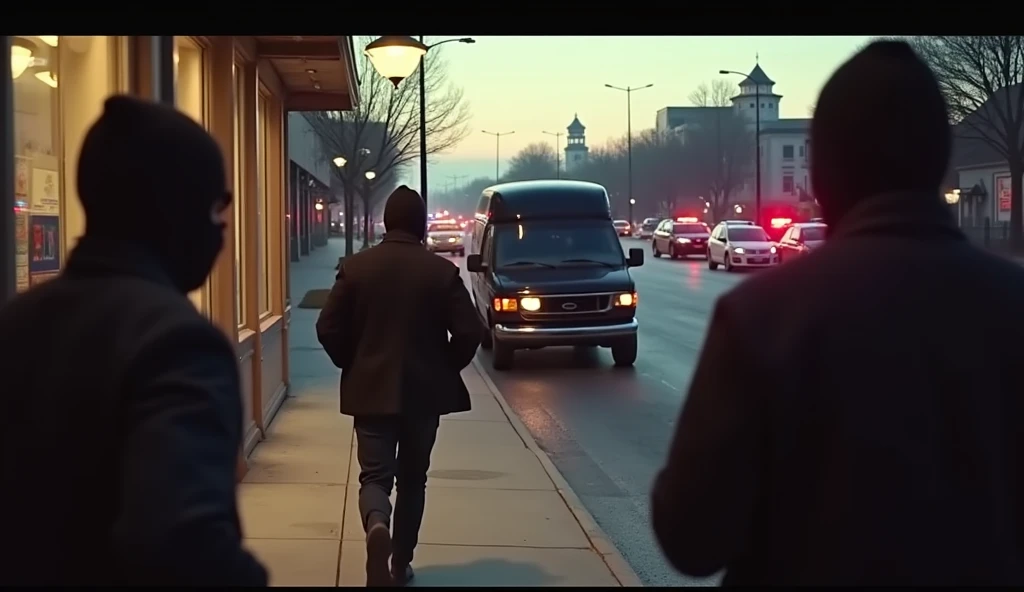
x=475, y=264
x=636, y=258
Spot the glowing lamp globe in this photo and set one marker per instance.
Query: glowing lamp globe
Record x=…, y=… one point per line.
x=395, y=57
x=21, y=58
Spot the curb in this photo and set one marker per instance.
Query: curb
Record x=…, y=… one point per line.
x=620, y=569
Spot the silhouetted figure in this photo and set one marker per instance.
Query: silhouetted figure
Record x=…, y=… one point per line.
x=855, y=416
x=386, y=325
x=122, y=412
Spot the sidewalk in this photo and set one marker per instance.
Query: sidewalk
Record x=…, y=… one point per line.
x=498, y=513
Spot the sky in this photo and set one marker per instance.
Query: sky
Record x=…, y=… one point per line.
x=530, y=85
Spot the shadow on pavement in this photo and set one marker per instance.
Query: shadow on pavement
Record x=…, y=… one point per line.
x=486, y=572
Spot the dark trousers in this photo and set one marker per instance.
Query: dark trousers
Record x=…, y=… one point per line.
x=381, y=467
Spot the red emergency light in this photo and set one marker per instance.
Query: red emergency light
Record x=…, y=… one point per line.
x=687, y=219
x=780, y=222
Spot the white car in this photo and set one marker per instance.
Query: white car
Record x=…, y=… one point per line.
x=446, y=236
x=735, y=245
x=622, y=228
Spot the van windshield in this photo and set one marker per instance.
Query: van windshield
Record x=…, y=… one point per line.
x=553, y=242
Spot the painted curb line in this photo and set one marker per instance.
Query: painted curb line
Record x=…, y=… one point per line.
x=620, y=569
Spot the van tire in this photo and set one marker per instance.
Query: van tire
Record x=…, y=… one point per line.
x=502, y=357
x=624, y=352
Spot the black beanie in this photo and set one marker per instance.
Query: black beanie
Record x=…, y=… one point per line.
x=880, y=126
x=406, y=212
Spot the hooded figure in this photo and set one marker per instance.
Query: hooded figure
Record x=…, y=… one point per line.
x=121, y=392
x=841, y=428
x=386, y=324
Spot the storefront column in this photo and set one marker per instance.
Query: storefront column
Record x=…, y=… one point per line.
x=303, y=191
x=8, y=286
x=293, y=212
x=162, y=55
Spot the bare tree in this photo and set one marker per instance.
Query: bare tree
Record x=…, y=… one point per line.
x=382, y=134
x=718, y=159
x=536, y=161
x=981, y=79
x=718, y=94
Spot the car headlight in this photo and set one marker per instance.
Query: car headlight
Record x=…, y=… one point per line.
x=452, y=239
x=738, y=250
x=530, y=303
x=772, y=250
x=683, y=240
x=430, y=240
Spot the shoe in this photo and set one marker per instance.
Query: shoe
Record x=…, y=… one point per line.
x=378, y=552
x=402, y=575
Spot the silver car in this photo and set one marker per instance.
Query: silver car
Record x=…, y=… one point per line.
x=446, y=236
x=740, y=245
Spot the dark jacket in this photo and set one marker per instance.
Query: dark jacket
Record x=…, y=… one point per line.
x=386, y=325
x=856, y=416
x=121, y=430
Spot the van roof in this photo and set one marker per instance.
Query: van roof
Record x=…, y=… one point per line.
x=547, y=199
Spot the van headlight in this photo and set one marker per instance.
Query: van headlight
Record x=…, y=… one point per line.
x=530, y=303
x=626, y=299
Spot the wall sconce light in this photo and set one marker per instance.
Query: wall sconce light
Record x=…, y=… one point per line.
x=21, y=57
x=48, y=78
x=318, y=206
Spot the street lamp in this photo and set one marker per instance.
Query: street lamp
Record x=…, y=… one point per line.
x=558, y=145
x=497, y=151
x=757, y=141
x=629, y=133
x=370, y=175
x=632, y=202
x=340, y=161
x=953, y=197
x=737, y=208
x=395, y=57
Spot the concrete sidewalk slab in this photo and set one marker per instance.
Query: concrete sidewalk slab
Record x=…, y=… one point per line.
x=495, y=514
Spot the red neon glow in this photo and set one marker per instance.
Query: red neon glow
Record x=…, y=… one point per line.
x=780, y=222
x=689, y=219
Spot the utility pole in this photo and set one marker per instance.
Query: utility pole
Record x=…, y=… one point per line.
x=629, y=137
x=558, y=146
x=497, y=151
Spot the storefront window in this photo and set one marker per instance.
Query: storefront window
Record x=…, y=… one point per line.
x=239, y=200
x=190, y=99
x=60, y=84
x=261, y=205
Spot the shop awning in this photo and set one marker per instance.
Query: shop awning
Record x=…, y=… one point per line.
x=319, y=73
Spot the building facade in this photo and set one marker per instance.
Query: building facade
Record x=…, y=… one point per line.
x=310, y=188
x=239, y=89
x=576, y=150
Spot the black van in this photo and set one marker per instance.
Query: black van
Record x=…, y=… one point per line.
x=548, y=269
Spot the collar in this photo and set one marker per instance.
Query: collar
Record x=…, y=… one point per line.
x=99, y=256
x=911, y=215
x=401, y=236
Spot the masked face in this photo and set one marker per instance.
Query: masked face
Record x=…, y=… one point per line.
x=196, y=244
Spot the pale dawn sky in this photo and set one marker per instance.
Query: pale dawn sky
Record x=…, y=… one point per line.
x=534, y=84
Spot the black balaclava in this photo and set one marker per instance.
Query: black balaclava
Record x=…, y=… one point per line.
x=406, y=212
x=880, y=126
x=151, y=176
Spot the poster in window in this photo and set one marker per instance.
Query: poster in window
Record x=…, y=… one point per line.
x=22, y=170
x=1003, y=198
x=45, y=192
x=44, y=245
x=21, y=268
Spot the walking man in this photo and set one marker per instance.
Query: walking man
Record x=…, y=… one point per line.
x=386, y=324
x=122, y=419
x=846, y=423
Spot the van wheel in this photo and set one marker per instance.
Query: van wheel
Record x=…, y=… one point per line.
x=624, y=352
x=502, y=356
x=654, y=249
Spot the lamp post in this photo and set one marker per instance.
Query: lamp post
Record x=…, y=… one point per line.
x=370, y=176
x=395, y=57
x=629, y=134
x=497, y=151
x=632, y=202
x=558, y=145
x=757, y=141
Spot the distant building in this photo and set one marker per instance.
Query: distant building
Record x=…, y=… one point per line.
x=576, y=151
x=785, y=143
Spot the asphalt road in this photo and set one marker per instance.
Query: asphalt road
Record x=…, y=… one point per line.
x=608, y=429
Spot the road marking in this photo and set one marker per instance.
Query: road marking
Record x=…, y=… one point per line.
x=668, y=385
